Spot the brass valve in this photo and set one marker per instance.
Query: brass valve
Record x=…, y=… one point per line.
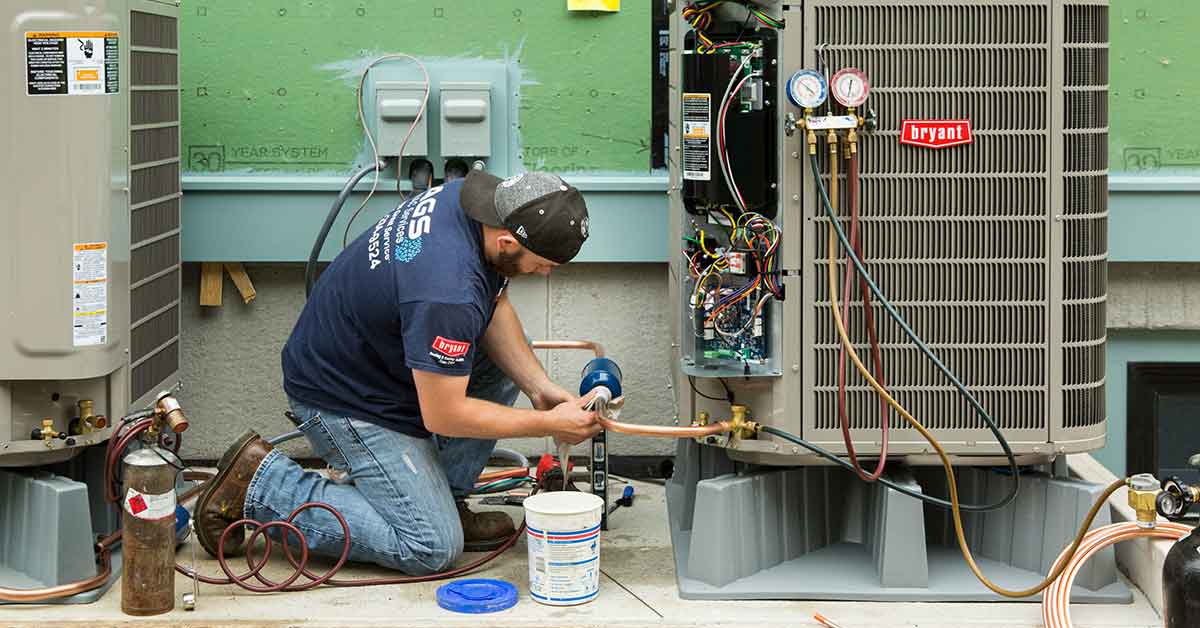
x=89, y=421
x=168, y=410
x=46, y=433
x=742, y=426
x=702, y=418
x=1143, y=495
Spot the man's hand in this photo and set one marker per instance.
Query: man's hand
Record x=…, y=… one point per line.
x=569, y=423
x=550, y=396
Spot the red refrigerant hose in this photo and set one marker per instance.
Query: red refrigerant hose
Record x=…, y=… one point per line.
x=869, y=320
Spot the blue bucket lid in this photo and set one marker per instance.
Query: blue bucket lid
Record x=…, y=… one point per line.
x=478, y=595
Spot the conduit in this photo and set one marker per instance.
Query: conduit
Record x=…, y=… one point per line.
x=1056, y=601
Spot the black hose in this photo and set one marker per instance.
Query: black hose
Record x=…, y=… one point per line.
x=830, y=456
x=310, y=269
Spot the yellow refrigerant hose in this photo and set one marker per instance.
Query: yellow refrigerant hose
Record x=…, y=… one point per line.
x=952, y=485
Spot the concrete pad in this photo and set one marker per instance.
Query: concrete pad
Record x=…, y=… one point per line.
x=637, y=589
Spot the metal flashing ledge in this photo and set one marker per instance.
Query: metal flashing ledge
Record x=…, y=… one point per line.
x=274, y=218
x=1154, y=218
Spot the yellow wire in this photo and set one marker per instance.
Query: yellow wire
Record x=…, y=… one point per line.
x=951, y=483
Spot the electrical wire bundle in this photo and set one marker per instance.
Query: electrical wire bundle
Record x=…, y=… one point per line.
x=761, y=238
x=740, y=76
x=699, y=16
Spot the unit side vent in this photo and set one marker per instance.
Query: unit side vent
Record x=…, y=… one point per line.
x=1085, y=212
x=154, y=197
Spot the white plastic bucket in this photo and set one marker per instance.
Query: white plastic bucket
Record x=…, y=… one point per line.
x=563, y=534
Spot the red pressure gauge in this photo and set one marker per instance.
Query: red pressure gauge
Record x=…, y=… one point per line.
x=849, y=86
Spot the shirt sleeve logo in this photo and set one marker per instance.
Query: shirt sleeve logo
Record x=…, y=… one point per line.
x=451, y=348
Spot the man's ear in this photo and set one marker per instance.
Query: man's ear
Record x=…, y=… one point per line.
x=507, y=241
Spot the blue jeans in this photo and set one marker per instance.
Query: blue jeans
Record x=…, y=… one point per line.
x=400, y=502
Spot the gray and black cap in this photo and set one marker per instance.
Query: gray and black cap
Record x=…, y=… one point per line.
x=546, y=215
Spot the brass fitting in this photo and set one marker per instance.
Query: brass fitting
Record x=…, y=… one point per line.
x=46, y=433
x=1143, y=493
x=89, y=421
x=702, y=418
x=852, y=139
x=168, y=410
x=741, y=425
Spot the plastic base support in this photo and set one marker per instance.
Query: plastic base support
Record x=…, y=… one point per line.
x=744, y=532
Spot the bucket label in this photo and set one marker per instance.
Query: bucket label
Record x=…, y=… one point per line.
x=89, y=294
x=564, y=567
x=72, y=63
x=149, y=507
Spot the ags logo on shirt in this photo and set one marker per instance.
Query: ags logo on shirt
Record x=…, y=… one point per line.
x=446, y=350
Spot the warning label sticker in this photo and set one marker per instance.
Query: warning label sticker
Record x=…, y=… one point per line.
x=72, y=63
x=150, y=507
x=89, y=294
x=697, y=137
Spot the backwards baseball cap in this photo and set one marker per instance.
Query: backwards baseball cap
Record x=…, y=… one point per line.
x=546, y=215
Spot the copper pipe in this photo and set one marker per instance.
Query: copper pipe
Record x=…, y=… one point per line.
x=667, y=431
x=62, y=590
x=588, y=345
x=660, y=431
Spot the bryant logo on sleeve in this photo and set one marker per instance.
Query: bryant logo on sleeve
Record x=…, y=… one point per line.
x=449, y=352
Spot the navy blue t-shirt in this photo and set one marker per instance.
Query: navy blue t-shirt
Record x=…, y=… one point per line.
x=413, y=292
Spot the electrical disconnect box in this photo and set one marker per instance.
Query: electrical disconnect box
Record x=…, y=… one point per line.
x=466, y=125
x=397, y=104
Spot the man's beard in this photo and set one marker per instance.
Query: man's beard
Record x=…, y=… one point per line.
x=509, y=264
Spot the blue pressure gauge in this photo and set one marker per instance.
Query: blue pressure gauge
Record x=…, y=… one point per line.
x=806, y=89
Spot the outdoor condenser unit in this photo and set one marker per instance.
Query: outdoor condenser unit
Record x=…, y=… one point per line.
x=89, y=244
x=993, y=250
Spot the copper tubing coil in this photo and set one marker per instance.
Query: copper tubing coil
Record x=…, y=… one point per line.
x=1056, y=601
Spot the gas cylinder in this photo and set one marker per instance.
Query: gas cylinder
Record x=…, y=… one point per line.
x=148, y=542
x=1181, y=583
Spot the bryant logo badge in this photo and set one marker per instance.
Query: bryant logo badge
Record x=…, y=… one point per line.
x=451, y=348
x=936, y=133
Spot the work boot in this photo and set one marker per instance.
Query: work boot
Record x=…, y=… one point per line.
x=484, y=531
x=224, y=497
